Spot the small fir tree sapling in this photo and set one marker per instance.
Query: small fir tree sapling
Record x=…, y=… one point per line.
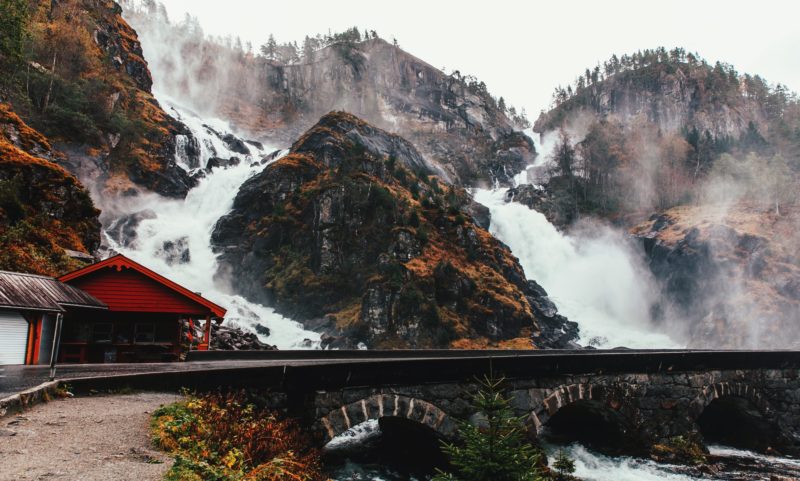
x=497, y=450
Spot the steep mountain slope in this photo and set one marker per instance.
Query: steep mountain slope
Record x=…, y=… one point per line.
x=351, y=234
x=645, y=132
x=733, y=272
x=701, y=163
x=461, y=130
x=43, y=208
x=674, y=91
x=82, y=81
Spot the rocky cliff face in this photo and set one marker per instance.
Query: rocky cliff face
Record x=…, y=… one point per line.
x=351, y=234
x=453, y=121
x=709, y=156
x=145, y=152
x=87, y=88
x=543, y=199
x=670, y=95
x=731, y=274
x=457, y=128
x=43, y=209
x=662, y=129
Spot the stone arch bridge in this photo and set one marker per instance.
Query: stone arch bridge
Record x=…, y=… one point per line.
x=643, y=397
x=651, y=397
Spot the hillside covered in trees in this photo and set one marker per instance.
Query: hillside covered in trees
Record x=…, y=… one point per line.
x=74, y=70
x=660, y=128
x=701, y=163
x=44, y=211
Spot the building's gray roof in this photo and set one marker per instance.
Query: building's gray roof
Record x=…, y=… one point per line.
x=41, y=293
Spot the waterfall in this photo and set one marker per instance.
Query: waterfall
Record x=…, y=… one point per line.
x=595, y=278
x=173, y=237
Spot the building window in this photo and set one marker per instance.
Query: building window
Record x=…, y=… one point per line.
x=167, y=332
x=123, y=332
x=101, y=332
x=145, y=332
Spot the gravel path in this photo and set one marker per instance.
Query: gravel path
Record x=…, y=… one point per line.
x=98, y=438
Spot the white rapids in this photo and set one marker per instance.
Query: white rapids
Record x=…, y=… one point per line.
x=591, y=466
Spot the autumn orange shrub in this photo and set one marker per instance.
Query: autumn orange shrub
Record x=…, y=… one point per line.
x=224, y=437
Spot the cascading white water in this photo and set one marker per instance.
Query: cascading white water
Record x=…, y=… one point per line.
x=594, y=281
x=186, y=225
x=730, y=463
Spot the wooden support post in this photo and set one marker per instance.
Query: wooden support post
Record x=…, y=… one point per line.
x=206, y=334
x=34, y=337
x=56, y=344
x=29, y=350
x=191, y=333
x=37, y=342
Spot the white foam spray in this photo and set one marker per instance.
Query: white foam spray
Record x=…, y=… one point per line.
x=596, y=281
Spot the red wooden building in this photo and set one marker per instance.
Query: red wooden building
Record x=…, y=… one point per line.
x=144, y=317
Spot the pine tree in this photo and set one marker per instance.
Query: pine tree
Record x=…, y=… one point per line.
x=308, y=50
x=496, y=451
x=564, y=465
x=564, y=156
x=13, y=29
x=270, y=49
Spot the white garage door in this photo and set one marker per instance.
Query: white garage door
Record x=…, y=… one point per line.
x=13, y=337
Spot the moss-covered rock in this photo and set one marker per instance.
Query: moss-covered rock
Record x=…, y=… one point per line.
x=86, y=87
x=43, y=208
x=351, y=234
x=688, y=449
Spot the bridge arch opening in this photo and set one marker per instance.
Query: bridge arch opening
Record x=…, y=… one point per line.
x=397, y=444
x=590, y=423
x=738, y=422
x=390, y=430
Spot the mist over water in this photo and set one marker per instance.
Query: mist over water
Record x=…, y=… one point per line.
x=595, y=281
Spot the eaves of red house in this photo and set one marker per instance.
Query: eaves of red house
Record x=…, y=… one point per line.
x=127, y=286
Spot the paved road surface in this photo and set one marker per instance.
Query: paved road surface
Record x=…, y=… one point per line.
x=14, y=379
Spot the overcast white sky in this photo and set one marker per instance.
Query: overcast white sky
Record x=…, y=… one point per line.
x=524, y=49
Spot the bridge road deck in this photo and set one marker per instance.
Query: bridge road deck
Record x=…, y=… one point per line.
x=315, y=370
